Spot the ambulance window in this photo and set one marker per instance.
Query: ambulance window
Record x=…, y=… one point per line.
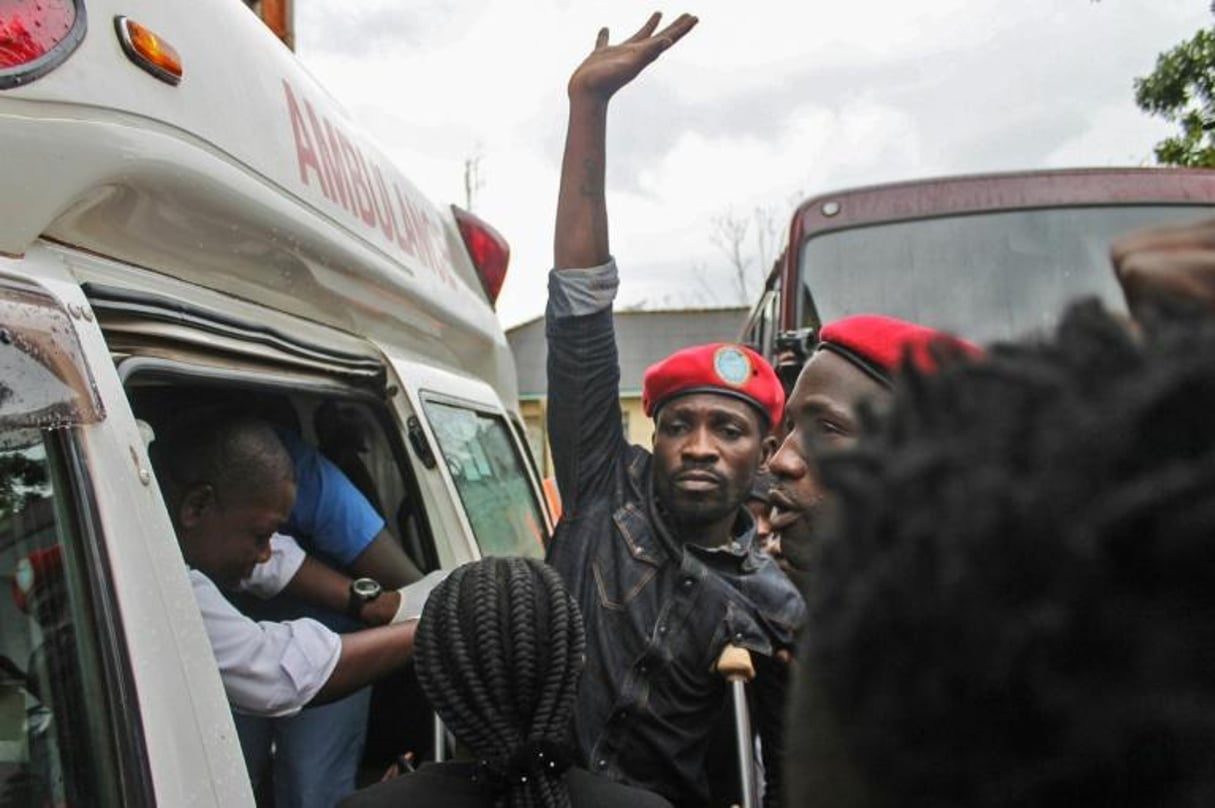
x=52, y=738
x=491, y=479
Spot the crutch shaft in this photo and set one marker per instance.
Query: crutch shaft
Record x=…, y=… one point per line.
x=736, y=666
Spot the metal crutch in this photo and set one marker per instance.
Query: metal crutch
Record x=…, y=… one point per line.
x=736, y=666
x=442, y=739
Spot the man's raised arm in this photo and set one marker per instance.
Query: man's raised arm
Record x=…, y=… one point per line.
x=581, y=238
x=585, y=431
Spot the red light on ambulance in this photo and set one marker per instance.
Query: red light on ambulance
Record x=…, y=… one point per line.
x=36, y=36
x=149, y=51
x=490, y=252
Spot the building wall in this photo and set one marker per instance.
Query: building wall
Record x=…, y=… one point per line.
x=638, y=428
x=533, y=412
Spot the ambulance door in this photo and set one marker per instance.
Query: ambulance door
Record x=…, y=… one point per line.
x=109, y=693
x=474, y=469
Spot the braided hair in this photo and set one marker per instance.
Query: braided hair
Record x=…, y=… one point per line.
x=1015, y=605
x=499, y=652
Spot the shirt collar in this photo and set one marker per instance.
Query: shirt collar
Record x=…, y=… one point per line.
x=742, y=538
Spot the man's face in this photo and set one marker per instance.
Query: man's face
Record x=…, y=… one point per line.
x=225, y=537
x=821, y=414
x=707, y=448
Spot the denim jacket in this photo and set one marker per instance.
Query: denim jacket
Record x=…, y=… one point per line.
x=658, y=611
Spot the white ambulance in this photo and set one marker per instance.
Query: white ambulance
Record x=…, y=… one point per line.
x=188, y=217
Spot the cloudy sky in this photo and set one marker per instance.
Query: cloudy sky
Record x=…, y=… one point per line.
x=761, y=104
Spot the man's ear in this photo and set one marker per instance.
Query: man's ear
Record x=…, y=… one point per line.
x=194, y=504
x=767, y=448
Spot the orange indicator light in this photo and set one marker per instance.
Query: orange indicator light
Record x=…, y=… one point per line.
x=148, y=50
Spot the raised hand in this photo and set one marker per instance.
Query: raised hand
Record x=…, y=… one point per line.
x=610, y=67
x=581, y=235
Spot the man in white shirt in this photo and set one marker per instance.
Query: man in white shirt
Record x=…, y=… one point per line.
x=230, y=484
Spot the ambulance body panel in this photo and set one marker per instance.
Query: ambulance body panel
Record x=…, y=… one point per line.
x=236, y=241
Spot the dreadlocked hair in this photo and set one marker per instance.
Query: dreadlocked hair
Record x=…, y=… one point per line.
x=1015, y=603
x=499, y=652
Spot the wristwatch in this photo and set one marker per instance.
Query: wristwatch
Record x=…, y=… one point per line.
x=362, y=592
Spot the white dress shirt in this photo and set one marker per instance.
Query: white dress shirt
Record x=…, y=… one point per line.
x=268, y=668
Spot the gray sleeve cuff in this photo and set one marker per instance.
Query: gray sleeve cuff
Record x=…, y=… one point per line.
x=578, y=292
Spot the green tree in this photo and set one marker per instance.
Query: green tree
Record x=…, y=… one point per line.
x=1182, y=90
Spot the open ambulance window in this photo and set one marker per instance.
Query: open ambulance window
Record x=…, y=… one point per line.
x=491, y=478
x=352, y=429
x=353, y=432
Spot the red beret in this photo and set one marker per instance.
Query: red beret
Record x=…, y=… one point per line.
x=878, y=344
x=720, y=367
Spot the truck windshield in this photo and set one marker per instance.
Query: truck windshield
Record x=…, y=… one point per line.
x=985, y=276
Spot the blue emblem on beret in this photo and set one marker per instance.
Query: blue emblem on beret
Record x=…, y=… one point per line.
x=732, y=366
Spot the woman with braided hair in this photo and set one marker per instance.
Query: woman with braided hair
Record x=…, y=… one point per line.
x=499, y=652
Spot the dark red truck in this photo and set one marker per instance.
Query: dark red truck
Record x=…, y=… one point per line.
x=985, y=256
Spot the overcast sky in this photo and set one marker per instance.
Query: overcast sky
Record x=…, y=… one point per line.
x=761, y=104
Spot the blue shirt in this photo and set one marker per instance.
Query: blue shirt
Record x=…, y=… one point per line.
x=331, y=517
x=331, y=520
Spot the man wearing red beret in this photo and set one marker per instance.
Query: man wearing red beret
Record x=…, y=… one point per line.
x=656, y=547
x=854, y=361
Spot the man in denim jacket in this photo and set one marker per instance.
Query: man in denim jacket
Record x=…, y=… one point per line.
x=656, y=548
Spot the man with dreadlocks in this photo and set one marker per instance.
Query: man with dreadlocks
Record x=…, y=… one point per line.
x=657, y=548
x=1012, y=605
x=499, y=653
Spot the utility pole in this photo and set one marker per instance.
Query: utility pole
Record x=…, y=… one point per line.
x=472, y=180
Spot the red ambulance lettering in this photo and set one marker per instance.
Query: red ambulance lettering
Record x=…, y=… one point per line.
x=407, y=237
x=409, y=224
x=383, y=204
x=361, y=186
x=362, y=194
x=331, y=161
x=442, y=259
x=421, y=241
x=430, y=242
x=434, y=246
x=305, y=151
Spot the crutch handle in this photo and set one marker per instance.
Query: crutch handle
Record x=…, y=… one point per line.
x=736, y=667
x=735, y=664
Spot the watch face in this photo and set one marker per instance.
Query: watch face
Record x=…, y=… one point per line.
x=365, y=588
